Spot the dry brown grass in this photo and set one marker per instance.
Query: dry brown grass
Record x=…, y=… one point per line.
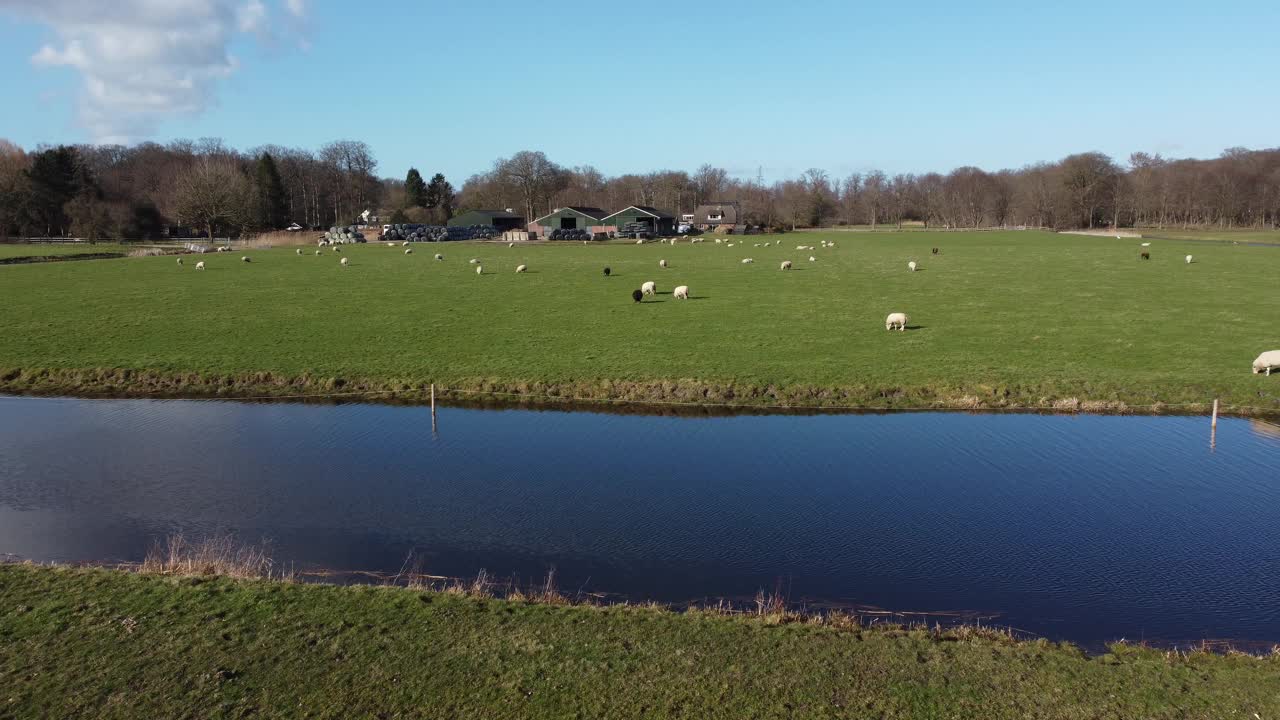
x=278, y=238
x=222, y=555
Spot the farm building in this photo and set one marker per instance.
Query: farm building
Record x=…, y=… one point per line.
x=718, y=214
x=501, y=219
x=571, y=218
x=657, y=222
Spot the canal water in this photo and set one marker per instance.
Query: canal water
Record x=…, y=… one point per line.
x=1087, y=528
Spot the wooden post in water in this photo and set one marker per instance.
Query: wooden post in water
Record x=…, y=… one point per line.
x=1213, y=426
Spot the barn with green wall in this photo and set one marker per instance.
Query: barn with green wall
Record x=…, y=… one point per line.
x=573, y=218
x=659, y=223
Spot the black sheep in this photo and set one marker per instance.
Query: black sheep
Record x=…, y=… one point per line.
x=607, y=271
x=1146, y=256
x=637, y=296
x=935, y=251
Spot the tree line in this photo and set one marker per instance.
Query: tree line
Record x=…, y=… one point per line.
x=139, y=192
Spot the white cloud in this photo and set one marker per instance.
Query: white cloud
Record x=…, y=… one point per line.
x=145, y=60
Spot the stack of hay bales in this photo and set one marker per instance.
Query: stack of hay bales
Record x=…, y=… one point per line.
x=413, y=232
x=344, y=235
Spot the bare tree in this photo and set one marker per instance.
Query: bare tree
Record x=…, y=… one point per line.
x=536, y=178
x=13, y=186
x=213, y=193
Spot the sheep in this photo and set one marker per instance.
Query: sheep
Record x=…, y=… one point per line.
x=408, y=251
x=521, y=268
x=649, y=288
x=662, y=263
x=404, y=244
x=1146, y=244
x=637, y=296
x=813, y=259
x=1267, y=362
x=607, y=271
x=640, y=241
x=317, y=252
x=179, y=261
x=337, y=249
x=718, y=241
x=896, y=320
x=747, y=261
x=344, y=261
x=786, y=264
x=479, y=270
x=935, y=251
x=1189, y=259
x=299, y=251
x=681, y=293
x=474, y=261
x=511, y=244
x=439, y=256
x=911, y=266
x=244, y=258
x=1145, y=256
x=200, y=265
x=391, y=244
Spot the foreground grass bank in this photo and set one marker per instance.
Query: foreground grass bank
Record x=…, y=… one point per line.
x=100, y=643
x=998, y=319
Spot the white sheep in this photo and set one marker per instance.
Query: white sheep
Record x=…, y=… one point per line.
x=896, y=320
x=718, y=241
x=1189, y=259
x=317, y=252
x=1267, y=362
x=404, y=244
x=786, y=264
x=179, y=261
x=813, y=259
x=343, y=262
x=299, y=251
x=337, y=249
x=911, y=266
x=640, y=241
x=244, y=258
x=649, y=288
x=391, y=244
x=408, y=251
x=521, y=268
x=681, y=293
x=479, y=270
x=439, y=256
x=200, y=265
x=474, y=261
x=662, y=263
x=511, y=244
x=747, y=261
x=1146, y=244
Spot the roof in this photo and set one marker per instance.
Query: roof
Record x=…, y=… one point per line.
x=591, y=212
x=493, y=214
x=651, y=211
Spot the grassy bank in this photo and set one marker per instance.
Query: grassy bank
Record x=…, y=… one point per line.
x=100, y=643
x=999, y=319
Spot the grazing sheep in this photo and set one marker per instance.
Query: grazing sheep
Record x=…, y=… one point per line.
x=200, y=265
x=511, y=244
x=662, y=263
x=474, y=261
x=343, y=262
x=718, y=241
x=681, y=293
x=299, y=251
x=1189, y=259
x=896, y=320
x=179, y=261
x=649, y=288
x=1146, y=244
x=391, y=244
x=479, y=270
x=607, y=271
x=813, y=259
x=337, y=249
x=244, y=258
x=935, y=251
x=640, y=241
x=911, y=266
x=317, y=252
x=1267, y=362
x=637, y=296
x=439, y=256
x=408, y=251
x=747, y=261
x=521, y=268
x=404, y=244
x=786, y=264
x=1145, y=256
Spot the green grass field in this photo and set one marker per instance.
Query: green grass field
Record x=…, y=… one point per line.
x=998, y=319
x=1271, y=237
x=110, y=644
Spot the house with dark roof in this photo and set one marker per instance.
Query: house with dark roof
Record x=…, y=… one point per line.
x=501, y=219
x=655, y=221
x=715, y=214
x=570, y=218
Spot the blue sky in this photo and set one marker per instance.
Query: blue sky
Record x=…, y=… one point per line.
x=845, y=86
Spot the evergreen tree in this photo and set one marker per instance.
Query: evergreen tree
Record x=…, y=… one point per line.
x=440, y=198
x=269, y=198
x=53, y=182
x=415, y=190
